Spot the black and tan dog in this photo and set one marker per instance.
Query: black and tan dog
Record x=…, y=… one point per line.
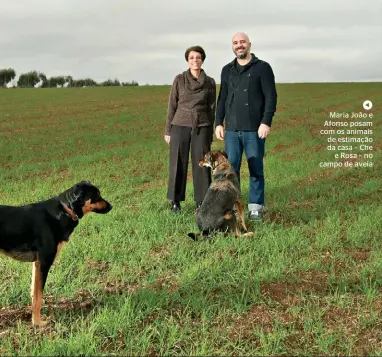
x=36, y=232
x=217, y=212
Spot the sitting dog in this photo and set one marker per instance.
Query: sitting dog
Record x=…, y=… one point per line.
x=36, y=232
x=217, y=210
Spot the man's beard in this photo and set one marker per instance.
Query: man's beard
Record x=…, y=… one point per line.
x=242, y=55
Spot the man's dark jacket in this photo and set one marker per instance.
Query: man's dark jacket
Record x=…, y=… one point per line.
x=248, y=99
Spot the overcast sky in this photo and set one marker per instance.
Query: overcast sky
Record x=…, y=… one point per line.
x=145, y=40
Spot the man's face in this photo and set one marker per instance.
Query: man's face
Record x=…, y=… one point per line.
x=241, y=46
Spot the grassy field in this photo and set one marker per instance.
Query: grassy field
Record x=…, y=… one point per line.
x=309, y=282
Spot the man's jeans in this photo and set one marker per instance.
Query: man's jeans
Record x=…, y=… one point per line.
x=235, y=142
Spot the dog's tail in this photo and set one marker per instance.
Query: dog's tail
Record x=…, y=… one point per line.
x=194, y=236
x=197, y=236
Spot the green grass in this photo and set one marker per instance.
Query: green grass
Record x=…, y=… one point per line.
x=309, y=282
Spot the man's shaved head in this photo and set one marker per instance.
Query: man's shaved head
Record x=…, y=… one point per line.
x=240, y=35
x=241, y=46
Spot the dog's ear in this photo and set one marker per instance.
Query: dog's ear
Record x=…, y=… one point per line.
x=214, y=155
x=219, y=154
x=84, y=182
x=77, y=198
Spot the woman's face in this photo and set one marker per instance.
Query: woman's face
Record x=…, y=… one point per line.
x=195, y=60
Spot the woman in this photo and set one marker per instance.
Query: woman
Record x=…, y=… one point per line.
x=191, y=114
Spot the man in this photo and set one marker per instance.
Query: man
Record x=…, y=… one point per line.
x=247, y=102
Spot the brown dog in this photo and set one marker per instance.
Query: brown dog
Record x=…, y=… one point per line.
x=217, y=210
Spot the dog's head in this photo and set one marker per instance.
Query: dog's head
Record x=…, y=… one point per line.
x=213, y=158
x=84, y=198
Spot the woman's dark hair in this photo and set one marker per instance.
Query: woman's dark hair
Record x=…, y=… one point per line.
x=195, y=49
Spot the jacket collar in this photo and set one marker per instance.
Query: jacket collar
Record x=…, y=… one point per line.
x=252, y=61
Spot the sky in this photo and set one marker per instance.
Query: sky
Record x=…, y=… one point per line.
x=145, y=41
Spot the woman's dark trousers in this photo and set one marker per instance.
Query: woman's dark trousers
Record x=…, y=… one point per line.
x=182, y=139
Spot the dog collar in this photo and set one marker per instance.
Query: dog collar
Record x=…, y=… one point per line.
x=70, y=212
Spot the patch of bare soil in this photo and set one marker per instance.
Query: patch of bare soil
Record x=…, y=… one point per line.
x=289, y=294
x=10, y=315
x=119, y=287
x=150, y=184
x=302, y=204
x=323, y=97
x=328, y=260
x=351, y=178
x=337, y=107
x=273, y=216
x=293, y=121
x=242, y=325
x=25, y=129
x=68, y=154
x=298, y=155
x=314, y=131
x=233, y=253
x=360, y=254
x=167, y=283
x=83, y=301
x=352, y=321
x=99, y=266
x=313, y=178
x=70, y=112
x=359, y=321
x=44, y=174
x=282, y=147
x=291, y=219
x=159, y=251
x=113, y=344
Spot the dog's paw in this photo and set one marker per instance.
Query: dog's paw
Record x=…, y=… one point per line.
x=243, y=235
x=39, y=323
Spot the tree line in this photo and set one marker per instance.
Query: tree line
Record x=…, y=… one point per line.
x=30, y=79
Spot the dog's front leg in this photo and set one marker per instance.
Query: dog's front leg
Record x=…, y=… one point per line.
x=39, y=275
x=59, y=247
x=240, y=213
x=36, y=294
x=35, y=264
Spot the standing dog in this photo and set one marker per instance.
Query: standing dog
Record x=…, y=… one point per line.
x=217, y=210
x=36, y=232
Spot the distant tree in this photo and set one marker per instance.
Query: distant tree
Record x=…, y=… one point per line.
x=58, y=80
x=69, y=79
x=107, y=83
x=110, y=83
x=42, y=77
x=44, y=80
x=55, y=81
x=28, y=80
x=132, y=83
x=87, y=82
x=6, y=75
x=90, y=82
